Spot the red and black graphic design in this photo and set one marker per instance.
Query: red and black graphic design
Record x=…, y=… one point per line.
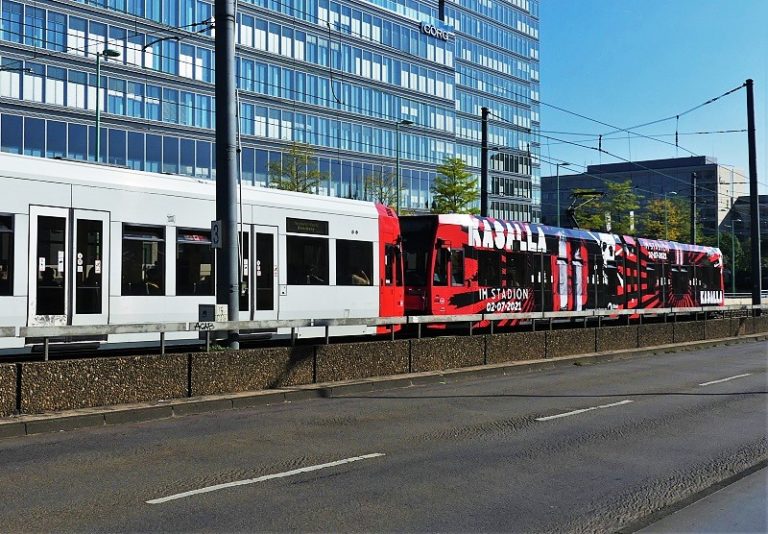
x=463, y=264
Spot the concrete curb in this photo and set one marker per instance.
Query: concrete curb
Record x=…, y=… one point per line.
x=16, y=426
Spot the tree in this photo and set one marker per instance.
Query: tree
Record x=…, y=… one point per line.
x=297, y=171
x=455, y=188
x=619, y=201
x=664, y=219
x=381, y=187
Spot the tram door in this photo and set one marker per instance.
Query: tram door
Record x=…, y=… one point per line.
x=264, y=272
x=68, y=266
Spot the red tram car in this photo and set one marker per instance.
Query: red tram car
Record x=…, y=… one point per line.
x=463, y=264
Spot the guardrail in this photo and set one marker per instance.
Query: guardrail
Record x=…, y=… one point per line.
x=47, y=332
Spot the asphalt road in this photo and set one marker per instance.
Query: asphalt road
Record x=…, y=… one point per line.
x=585, y=448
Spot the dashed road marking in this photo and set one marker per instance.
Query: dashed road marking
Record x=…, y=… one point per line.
x=582, y=410
x=724, y=379
x=218, y=487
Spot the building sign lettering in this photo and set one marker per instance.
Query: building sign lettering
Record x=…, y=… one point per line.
x=430, y=29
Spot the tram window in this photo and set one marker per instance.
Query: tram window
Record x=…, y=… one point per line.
x=488, y=268
x=143, y=260
x=457, y=267
x=307, y=259
x=440, y=277
x=195, y=268
x=6, y=255
x=354, y=263
x=392, y=276
x=652, y=280
x=517, y=266
x=680, y=280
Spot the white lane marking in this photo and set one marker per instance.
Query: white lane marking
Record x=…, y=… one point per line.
x=725, y=379
x=218, y=487
x=575, y=412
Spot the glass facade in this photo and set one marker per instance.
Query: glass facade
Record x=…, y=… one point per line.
x=340, y=76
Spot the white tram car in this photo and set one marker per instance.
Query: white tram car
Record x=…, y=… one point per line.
x=86, y=244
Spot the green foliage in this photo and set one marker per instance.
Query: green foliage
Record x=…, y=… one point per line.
x=455, y=189
x=381, y=188
x=619, y=200
x=297, y=171
x=664, y=219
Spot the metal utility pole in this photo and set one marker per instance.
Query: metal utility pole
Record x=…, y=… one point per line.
x=558, y=165
x=694, y=178
x=484, y=164
x=754, y=205
x=227, y=284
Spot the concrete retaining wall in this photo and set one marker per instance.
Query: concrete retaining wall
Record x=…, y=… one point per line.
x=656, y=334
x=685, y=332
x=349, y=361
x=7, y=389
x=518, y=346
x=63, y=385
x=251, y=370
x=720, y=328
x=617, y=338
x=760, y=324
x=568, y=342
x=435, y=354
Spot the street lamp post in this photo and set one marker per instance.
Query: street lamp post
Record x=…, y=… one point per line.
x=558, y=165
x=106, y=54
x=666, y=214
x=403, y=122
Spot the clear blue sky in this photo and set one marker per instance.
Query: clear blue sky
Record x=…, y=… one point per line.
x=626, y=62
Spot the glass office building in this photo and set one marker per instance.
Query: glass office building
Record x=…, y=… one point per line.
x=348, y=78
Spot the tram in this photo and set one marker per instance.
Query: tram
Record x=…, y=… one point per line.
x=87, y=244
x=463, y=264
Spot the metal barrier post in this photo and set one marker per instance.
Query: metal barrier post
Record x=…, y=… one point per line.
x=470, y=327
x=550, y=323
x=327, y=335
x=492, y=327
x=162, y=343
x=207, y=341
x=45, y=349
x=418, y=333
x=392, y=332
x=293, y=336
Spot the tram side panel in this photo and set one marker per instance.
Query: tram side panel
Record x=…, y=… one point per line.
x=330, y=268
x=14, y=258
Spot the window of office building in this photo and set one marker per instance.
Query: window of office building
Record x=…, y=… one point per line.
x=77, y=142
x=56, y=136
x=11, y=127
